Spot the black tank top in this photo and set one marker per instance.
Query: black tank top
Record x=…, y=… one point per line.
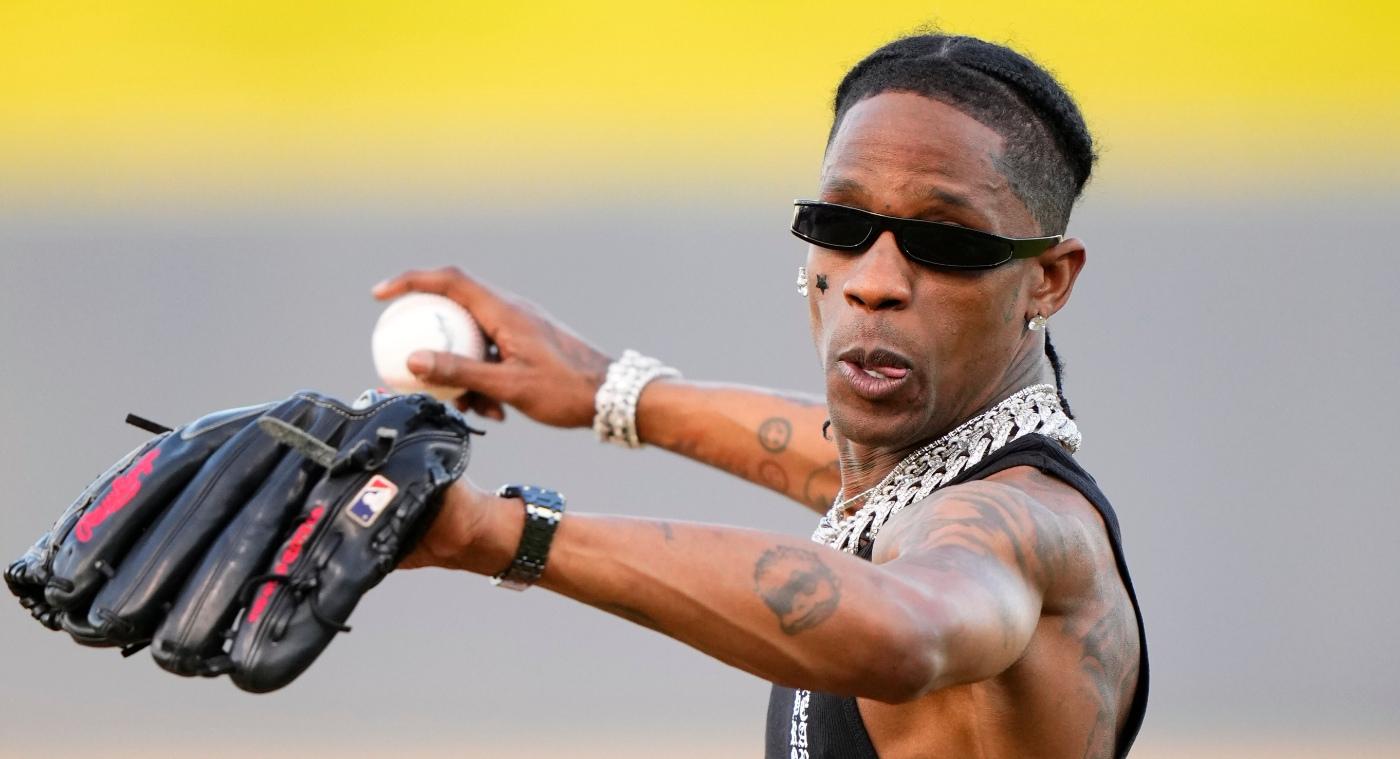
x=834, y=729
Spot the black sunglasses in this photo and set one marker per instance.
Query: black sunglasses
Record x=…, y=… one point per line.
x=929, y=242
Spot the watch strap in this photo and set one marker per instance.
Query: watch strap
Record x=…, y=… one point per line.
x=543, y=510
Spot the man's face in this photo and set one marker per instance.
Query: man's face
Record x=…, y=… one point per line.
x=939, y=341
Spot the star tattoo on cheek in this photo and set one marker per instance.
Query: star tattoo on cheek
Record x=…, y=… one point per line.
x=821, y=282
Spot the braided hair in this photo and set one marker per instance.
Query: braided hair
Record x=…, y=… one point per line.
x=1048, y=152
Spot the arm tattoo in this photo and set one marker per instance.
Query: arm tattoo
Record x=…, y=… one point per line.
x=772, y=474
x=796, y=586
x=1110, y=662
x=999, y=519
x=774, y=434
x=984, y=523
x=814, y=493
x=988, y=522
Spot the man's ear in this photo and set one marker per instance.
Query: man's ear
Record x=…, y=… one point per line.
x=1059, y=267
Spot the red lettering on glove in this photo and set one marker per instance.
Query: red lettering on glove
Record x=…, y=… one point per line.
x=285, y=561
x=124, y=488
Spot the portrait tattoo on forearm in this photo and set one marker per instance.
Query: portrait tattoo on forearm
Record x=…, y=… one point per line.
x=795, y=584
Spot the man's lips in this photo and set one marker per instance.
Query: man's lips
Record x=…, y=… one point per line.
x=875, y=373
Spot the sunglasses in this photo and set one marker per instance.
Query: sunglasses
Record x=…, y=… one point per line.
x=934, y=243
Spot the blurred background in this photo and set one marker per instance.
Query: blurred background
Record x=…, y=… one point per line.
x=195, y=199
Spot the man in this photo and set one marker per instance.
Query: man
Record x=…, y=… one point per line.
x=976, y=602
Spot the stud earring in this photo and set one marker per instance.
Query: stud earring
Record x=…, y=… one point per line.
x=1036, y=323
x=802, y=281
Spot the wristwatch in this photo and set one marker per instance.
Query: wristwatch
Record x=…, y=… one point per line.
x=543, y=510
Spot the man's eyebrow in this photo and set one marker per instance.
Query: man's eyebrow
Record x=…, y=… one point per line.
x=843, y=186
x=949, y=198
x=851, y=191
x=848, y=186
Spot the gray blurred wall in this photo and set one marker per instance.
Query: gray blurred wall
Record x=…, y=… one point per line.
x=1232, y=365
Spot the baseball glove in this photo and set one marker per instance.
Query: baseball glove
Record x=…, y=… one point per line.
x=240, y=543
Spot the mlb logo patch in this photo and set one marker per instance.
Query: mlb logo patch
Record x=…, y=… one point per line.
x=378, y=493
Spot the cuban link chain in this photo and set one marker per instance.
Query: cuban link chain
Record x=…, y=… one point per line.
x=1035, y=409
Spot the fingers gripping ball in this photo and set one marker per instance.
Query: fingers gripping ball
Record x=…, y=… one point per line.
x=240, y=543
x=423, y=321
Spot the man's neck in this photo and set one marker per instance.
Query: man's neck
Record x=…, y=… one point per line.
x=863, y=467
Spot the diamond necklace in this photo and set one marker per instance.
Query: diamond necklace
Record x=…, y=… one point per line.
x=1035, y=409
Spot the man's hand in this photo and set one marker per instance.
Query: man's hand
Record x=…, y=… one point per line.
x=541, y=367
x=552, y=375
x=476, y=531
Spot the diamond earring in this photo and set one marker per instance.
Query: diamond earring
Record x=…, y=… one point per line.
x=1036, y=323
x=802, y=281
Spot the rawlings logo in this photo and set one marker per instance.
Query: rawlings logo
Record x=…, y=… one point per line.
x=123, y=489
x=285, y=561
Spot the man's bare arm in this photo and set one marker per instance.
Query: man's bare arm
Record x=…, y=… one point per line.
x=551, y=374
x=953, y=607
x=767, y=437
x=1008, y=557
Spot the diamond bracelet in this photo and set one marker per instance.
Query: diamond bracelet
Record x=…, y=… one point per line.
x=615, y=405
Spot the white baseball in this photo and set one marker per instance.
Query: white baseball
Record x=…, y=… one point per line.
x=422, y=321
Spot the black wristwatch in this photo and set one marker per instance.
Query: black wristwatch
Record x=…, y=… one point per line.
x=543, y=510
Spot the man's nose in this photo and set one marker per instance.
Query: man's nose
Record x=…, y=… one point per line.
x=882, y=278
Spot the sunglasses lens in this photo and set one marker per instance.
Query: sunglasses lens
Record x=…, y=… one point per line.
x=949, y=246
x=834, y=227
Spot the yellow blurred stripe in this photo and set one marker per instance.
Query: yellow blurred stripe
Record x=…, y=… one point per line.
x=207, y=93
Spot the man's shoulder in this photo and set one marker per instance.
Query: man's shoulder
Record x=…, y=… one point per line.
x=1044, y=491
x=1055, y=534
x=1022, y=498
x=1076, y=531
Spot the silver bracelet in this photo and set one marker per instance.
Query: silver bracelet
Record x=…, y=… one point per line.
x=615, y=405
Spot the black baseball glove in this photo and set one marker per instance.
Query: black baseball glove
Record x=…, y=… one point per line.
x=240, y=543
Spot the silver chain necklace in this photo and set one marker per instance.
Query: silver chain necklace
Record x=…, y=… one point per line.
x=841, y=505
x=1035, y=409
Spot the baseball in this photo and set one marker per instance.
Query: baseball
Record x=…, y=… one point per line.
x=422, y=321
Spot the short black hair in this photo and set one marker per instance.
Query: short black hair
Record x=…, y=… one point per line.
x=1048, y=153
